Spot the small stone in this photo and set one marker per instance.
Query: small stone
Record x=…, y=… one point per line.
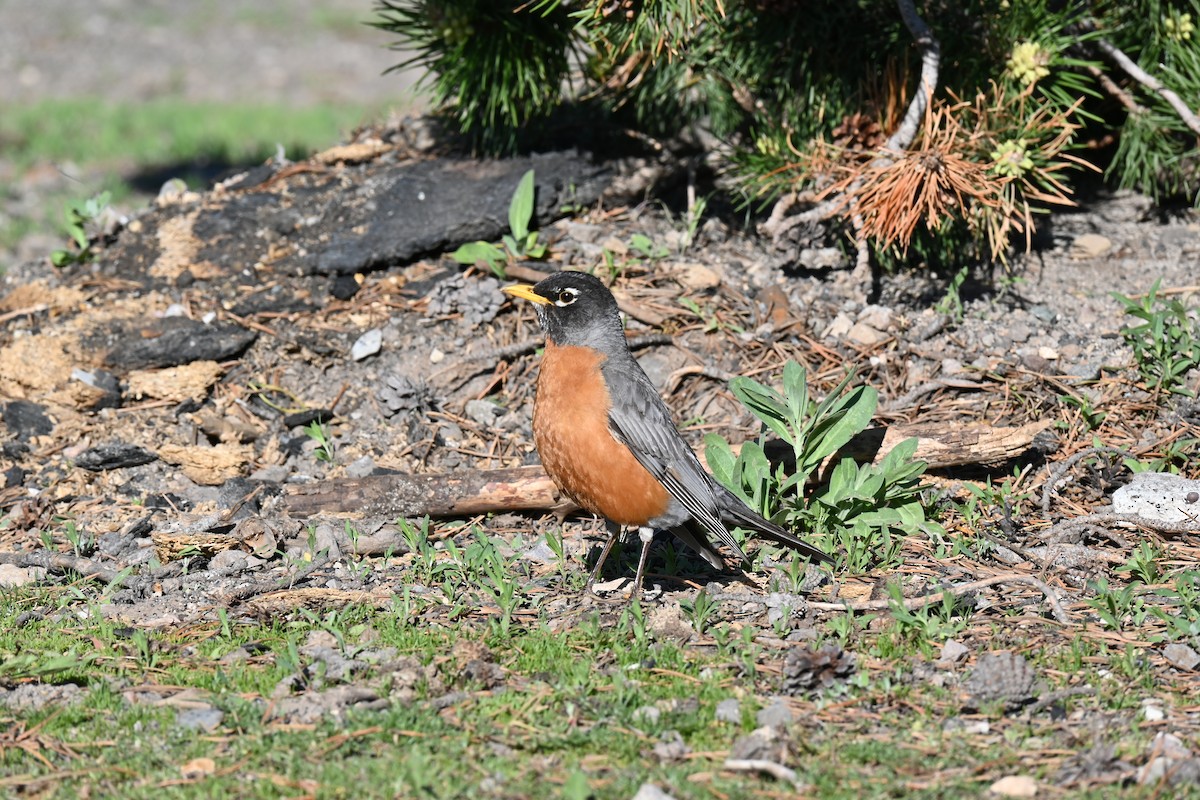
x=205, y=718
x=436, y=356
x=1152, y=711
x=1158, y=496
x=671, y=747
x=1015, y=786
x=778, y=715
x=1090, y=245
x=360, y=467
x=12, y=576
x=228, y=561
x=482, y=412
x=367, y=345
x=1181, y=656
x=953, y=652
x=767, y=743
x=1043, y=313
x=114, y=455
x=840, y=326
x=325, y=540
x=25, y=420
x=878, y=317
x=861, y=333
x=697, y=277
x=730, y=711
x=648, y=791
x=343, y=287
x=648, y=715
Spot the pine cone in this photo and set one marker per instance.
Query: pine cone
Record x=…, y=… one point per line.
x=806, y=670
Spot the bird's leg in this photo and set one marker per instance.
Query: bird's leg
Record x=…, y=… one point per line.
x=614, y=533
x=647, y=536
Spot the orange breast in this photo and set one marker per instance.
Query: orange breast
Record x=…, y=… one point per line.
x=570, y=428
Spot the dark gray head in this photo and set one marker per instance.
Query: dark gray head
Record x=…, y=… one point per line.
x=575, y=308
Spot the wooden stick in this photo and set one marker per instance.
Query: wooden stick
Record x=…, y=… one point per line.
x=469, y=492
x=456, y=494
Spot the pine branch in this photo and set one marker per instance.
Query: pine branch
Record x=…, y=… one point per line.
x=1150, y=82
x=931, y=57
x=778, y=224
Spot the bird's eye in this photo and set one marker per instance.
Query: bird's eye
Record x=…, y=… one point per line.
x=566, y=297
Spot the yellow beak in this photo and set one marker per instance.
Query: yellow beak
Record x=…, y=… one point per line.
x=526, y=292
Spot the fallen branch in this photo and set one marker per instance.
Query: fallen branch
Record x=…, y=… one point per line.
x=470, y=492
x=955, y=591
x=455, y=494
x=62, y=562
x=1103, y=518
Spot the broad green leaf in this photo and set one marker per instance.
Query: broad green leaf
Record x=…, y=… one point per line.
x=520, y=210
x=764, y=403
x=476, y=252
x=720, y=458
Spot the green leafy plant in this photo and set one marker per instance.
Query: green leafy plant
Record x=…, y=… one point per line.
x=1143, y=564
x=80, y=214
x=929, y=624
x=319, y=433
x=520, y=242
x=861, y=507
x=951, y=303
x=1165, y=341
x=1119, y=609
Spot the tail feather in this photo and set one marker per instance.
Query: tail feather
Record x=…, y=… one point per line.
x=734, y=511
x=696, y=540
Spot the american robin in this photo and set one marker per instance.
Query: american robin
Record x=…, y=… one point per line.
x=606, y=438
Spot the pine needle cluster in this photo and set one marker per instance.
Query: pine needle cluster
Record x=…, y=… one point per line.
x=970, y=116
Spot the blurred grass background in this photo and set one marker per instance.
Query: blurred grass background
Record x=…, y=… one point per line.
x=122, y=96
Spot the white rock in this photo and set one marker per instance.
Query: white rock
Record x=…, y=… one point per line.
x=648, y=791
x=1159, y=496
x=367, y=345
x=861, y=333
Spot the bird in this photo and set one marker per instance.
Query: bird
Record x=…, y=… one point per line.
x=607, y=440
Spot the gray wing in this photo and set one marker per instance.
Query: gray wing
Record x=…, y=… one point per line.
x=640, y=420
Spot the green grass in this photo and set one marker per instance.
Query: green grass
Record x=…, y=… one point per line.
x=104, y=147
x=564, y=722
x=90, y=131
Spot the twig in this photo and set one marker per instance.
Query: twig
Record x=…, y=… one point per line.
x=676, y=377
x=1152, y=83
x=1109, y=85
x=955, y=591
x=62, y=562
x=274, y=585
x=1063, y=694
x=1109, y=517
x=777, y=771
x=1059, y=470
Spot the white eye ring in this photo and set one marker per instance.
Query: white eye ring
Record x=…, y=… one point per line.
x=566, y=297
